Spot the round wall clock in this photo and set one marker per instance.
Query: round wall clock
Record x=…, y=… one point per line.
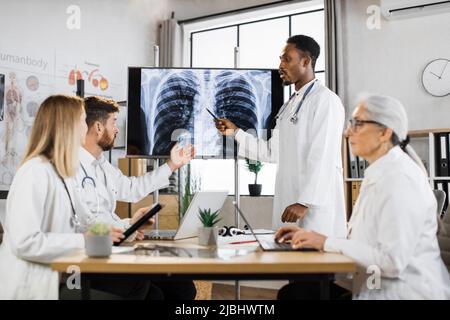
x=436, y=78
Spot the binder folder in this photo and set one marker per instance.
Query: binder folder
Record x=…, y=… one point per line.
x=442, y=154
x=447, y=192
x=444, y=186
x=361, y=167
x=353, y=163
x=354, y=192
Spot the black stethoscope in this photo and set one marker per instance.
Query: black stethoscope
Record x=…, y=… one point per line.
x=294, y=117
x=87, y=178
x=74, y=220
x=90, y=180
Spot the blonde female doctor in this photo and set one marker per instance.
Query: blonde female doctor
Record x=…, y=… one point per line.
x=40, y=220
x=392, y=231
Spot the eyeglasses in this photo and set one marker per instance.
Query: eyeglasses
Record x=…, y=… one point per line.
x=355, y=124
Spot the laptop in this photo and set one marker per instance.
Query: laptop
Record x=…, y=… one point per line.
x=190, y=223
x=269, y=245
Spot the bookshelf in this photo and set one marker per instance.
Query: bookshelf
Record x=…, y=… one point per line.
x=423, y=142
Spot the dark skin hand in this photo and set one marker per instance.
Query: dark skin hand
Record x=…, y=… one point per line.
x=226, y=127
x=294, y=212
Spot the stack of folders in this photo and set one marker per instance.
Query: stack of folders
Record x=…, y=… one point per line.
x=356, y=186
x=442, y=156
x=357, y=165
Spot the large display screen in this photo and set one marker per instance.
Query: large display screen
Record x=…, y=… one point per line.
x=166, y=105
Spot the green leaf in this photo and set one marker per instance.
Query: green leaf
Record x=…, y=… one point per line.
x=99, y=229
x=207, y=218
x=254, y=166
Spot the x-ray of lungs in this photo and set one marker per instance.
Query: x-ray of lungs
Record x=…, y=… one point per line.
x=175, y=103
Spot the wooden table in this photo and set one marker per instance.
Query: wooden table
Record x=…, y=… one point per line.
x=257, y=265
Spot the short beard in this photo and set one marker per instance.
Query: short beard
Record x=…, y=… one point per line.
x=105, y=142
x=287, y=83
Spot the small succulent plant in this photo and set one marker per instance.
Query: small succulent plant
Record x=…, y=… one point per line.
x=99, y=229
x=207, y=218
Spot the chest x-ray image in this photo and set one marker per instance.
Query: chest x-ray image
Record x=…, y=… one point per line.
x=175, y=104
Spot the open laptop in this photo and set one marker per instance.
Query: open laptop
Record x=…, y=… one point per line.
x=190, y=223
x=269, y=245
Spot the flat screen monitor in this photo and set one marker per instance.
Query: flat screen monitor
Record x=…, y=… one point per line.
x=166, y=105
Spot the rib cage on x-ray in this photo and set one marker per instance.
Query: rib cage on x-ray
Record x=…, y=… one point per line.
x=174, y=109
x=175, y=101
x=235, y=100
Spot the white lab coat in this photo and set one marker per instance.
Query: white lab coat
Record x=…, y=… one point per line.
x=393, y=228
x=37, y=230
x=112, y=185
x=309, y=160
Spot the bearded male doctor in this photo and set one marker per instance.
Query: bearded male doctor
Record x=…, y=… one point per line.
x=101, y=184
x=306, y=145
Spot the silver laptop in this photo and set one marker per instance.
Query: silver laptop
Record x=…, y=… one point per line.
x=190, y=223
x=269, y=245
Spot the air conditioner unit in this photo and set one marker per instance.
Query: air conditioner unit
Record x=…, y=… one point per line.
x=397, y=9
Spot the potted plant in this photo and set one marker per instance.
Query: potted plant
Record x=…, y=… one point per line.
x=208, y=234
x=255, y=167
x=192, y=184
x=98, y=241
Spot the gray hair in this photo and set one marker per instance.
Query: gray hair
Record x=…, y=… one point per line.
x=390, y=113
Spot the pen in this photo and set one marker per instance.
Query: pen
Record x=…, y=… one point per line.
x=212, y=114
x=242, y=242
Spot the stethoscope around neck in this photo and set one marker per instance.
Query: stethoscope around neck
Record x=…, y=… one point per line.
x=294, y=118
x=89, y=180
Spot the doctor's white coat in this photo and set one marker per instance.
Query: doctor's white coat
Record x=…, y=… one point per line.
x=393, y=231
x=37, y=230
x=308, y=154
x=111, y=185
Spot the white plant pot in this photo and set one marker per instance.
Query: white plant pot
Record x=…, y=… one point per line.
x=98, y=246
x=208, y=236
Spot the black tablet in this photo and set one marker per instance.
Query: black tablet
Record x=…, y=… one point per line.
x=154, y=210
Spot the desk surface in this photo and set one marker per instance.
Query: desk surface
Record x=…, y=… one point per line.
x=257, y=262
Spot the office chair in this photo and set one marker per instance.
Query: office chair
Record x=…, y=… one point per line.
x=440, y=199
x=444, y=228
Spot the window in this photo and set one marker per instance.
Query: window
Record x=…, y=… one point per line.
x=260, y=36
x=210, y=52
x=309, y=24
x=260, y=43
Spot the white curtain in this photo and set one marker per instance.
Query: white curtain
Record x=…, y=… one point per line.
x=334, y=32
x=170, y=44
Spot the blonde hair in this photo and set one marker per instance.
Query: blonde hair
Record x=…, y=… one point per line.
x=56, y=133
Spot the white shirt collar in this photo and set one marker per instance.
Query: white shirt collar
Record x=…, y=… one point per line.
x=377, y=169
x=86, y=158
x=300, y=91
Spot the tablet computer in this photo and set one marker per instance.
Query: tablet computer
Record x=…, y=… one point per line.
x=154, y=210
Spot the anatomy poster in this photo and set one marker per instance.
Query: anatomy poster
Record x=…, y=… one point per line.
x=98, y=79
x=22, y=96
x=28, y=81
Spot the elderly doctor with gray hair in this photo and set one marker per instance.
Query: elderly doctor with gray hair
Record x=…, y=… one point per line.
x=394, y=222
